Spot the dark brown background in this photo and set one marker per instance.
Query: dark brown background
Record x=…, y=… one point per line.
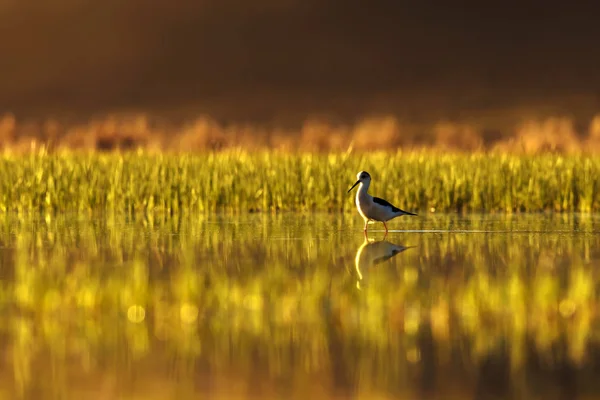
x=265, y=60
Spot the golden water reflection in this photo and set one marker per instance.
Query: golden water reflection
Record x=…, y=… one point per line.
x=291, y=306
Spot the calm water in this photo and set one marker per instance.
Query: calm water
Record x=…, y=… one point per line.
x=300, y=306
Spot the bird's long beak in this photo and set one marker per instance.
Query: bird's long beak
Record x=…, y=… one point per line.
x=357, y=182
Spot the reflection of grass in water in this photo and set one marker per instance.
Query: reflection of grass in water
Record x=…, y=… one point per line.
x=238, y=181
x=88, y=291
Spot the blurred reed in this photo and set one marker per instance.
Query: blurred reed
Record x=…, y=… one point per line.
x=523, y=135
x=141, y=183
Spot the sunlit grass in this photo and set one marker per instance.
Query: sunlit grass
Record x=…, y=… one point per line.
x=239, y=181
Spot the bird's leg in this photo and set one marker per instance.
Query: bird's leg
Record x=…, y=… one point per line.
x=366, y=223
x=386, y=230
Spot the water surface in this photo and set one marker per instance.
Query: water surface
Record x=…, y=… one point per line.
x=299, y=306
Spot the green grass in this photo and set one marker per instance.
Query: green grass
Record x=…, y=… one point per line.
x=238, y=181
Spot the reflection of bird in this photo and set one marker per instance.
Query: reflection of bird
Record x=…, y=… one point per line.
x=373, y=253
x=373, y=208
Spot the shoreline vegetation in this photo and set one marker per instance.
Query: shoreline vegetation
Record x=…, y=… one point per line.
x=140, y=183
x=509, y=134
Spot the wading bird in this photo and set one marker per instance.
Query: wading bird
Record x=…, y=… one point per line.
x=373, y=208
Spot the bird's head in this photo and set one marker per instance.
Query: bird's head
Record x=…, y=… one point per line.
x=362, y=177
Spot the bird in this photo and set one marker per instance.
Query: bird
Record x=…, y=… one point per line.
x=373, y=208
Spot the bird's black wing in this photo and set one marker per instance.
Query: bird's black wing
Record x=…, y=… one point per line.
x=385, y=203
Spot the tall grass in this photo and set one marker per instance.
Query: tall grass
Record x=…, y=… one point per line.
x=239, y=181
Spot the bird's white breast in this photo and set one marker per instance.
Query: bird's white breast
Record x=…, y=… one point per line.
x=370, y=210
x=365, y=205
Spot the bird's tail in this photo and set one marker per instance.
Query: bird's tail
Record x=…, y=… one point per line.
x=402, y=212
